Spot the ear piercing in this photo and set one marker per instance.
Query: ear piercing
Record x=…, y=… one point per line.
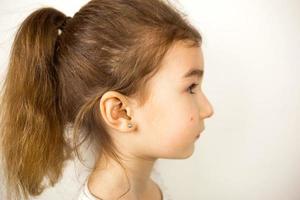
x=129, y=125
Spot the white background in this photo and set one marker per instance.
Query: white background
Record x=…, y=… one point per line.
x=250, y=147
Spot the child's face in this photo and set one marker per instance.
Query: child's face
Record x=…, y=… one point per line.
x=173, y=117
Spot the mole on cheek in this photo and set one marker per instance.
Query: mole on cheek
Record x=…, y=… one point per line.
x=192, y=118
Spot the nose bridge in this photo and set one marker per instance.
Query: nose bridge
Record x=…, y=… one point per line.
x=206, y=108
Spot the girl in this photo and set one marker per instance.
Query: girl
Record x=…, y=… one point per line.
x=125, y=75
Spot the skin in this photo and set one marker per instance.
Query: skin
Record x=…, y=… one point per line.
x=166, y=126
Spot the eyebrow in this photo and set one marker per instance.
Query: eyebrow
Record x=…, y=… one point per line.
x=194, y=72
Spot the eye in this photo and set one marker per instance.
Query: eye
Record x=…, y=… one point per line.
x=191, y=87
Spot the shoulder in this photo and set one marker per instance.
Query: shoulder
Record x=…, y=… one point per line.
x=158, y=180
x=85, y=193
x=157, y=189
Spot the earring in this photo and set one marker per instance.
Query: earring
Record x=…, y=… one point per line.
x=129, y=125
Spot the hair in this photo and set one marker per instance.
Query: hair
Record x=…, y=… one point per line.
x=54, y=80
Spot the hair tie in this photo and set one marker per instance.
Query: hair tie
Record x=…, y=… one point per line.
x=60, y=29
x=62, y=26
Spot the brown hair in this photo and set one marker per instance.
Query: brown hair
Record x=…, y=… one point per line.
x=54, y=80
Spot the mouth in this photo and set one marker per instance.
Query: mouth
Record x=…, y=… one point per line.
x=199, y=134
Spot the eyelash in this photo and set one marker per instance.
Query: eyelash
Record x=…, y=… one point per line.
x=192, y=87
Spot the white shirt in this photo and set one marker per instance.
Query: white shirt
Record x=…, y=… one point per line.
x=85, y=194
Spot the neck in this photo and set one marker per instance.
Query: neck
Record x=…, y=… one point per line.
x=109, y=176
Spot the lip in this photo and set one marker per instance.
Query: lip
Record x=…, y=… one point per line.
x=199, y=134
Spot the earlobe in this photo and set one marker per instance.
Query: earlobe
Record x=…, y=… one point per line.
x=115, y=112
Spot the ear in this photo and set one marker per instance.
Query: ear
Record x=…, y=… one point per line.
x=116, y=112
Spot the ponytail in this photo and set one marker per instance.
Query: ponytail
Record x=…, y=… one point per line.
x=32, y=140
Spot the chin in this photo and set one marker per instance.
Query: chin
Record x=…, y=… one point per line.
x=184, y=154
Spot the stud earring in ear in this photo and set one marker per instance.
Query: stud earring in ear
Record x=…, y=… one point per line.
x=129, y=125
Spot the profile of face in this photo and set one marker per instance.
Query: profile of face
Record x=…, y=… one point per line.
x=170, y=122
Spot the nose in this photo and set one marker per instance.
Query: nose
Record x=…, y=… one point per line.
x=206, y=109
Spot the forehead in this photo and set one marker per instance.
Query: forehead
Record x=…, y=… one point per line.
x=177, y=62
x=181, y=59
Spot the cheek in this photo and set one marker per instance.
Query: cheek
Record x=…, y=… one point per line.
x=180, y=132
x=180, y=126
x=170, y=127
